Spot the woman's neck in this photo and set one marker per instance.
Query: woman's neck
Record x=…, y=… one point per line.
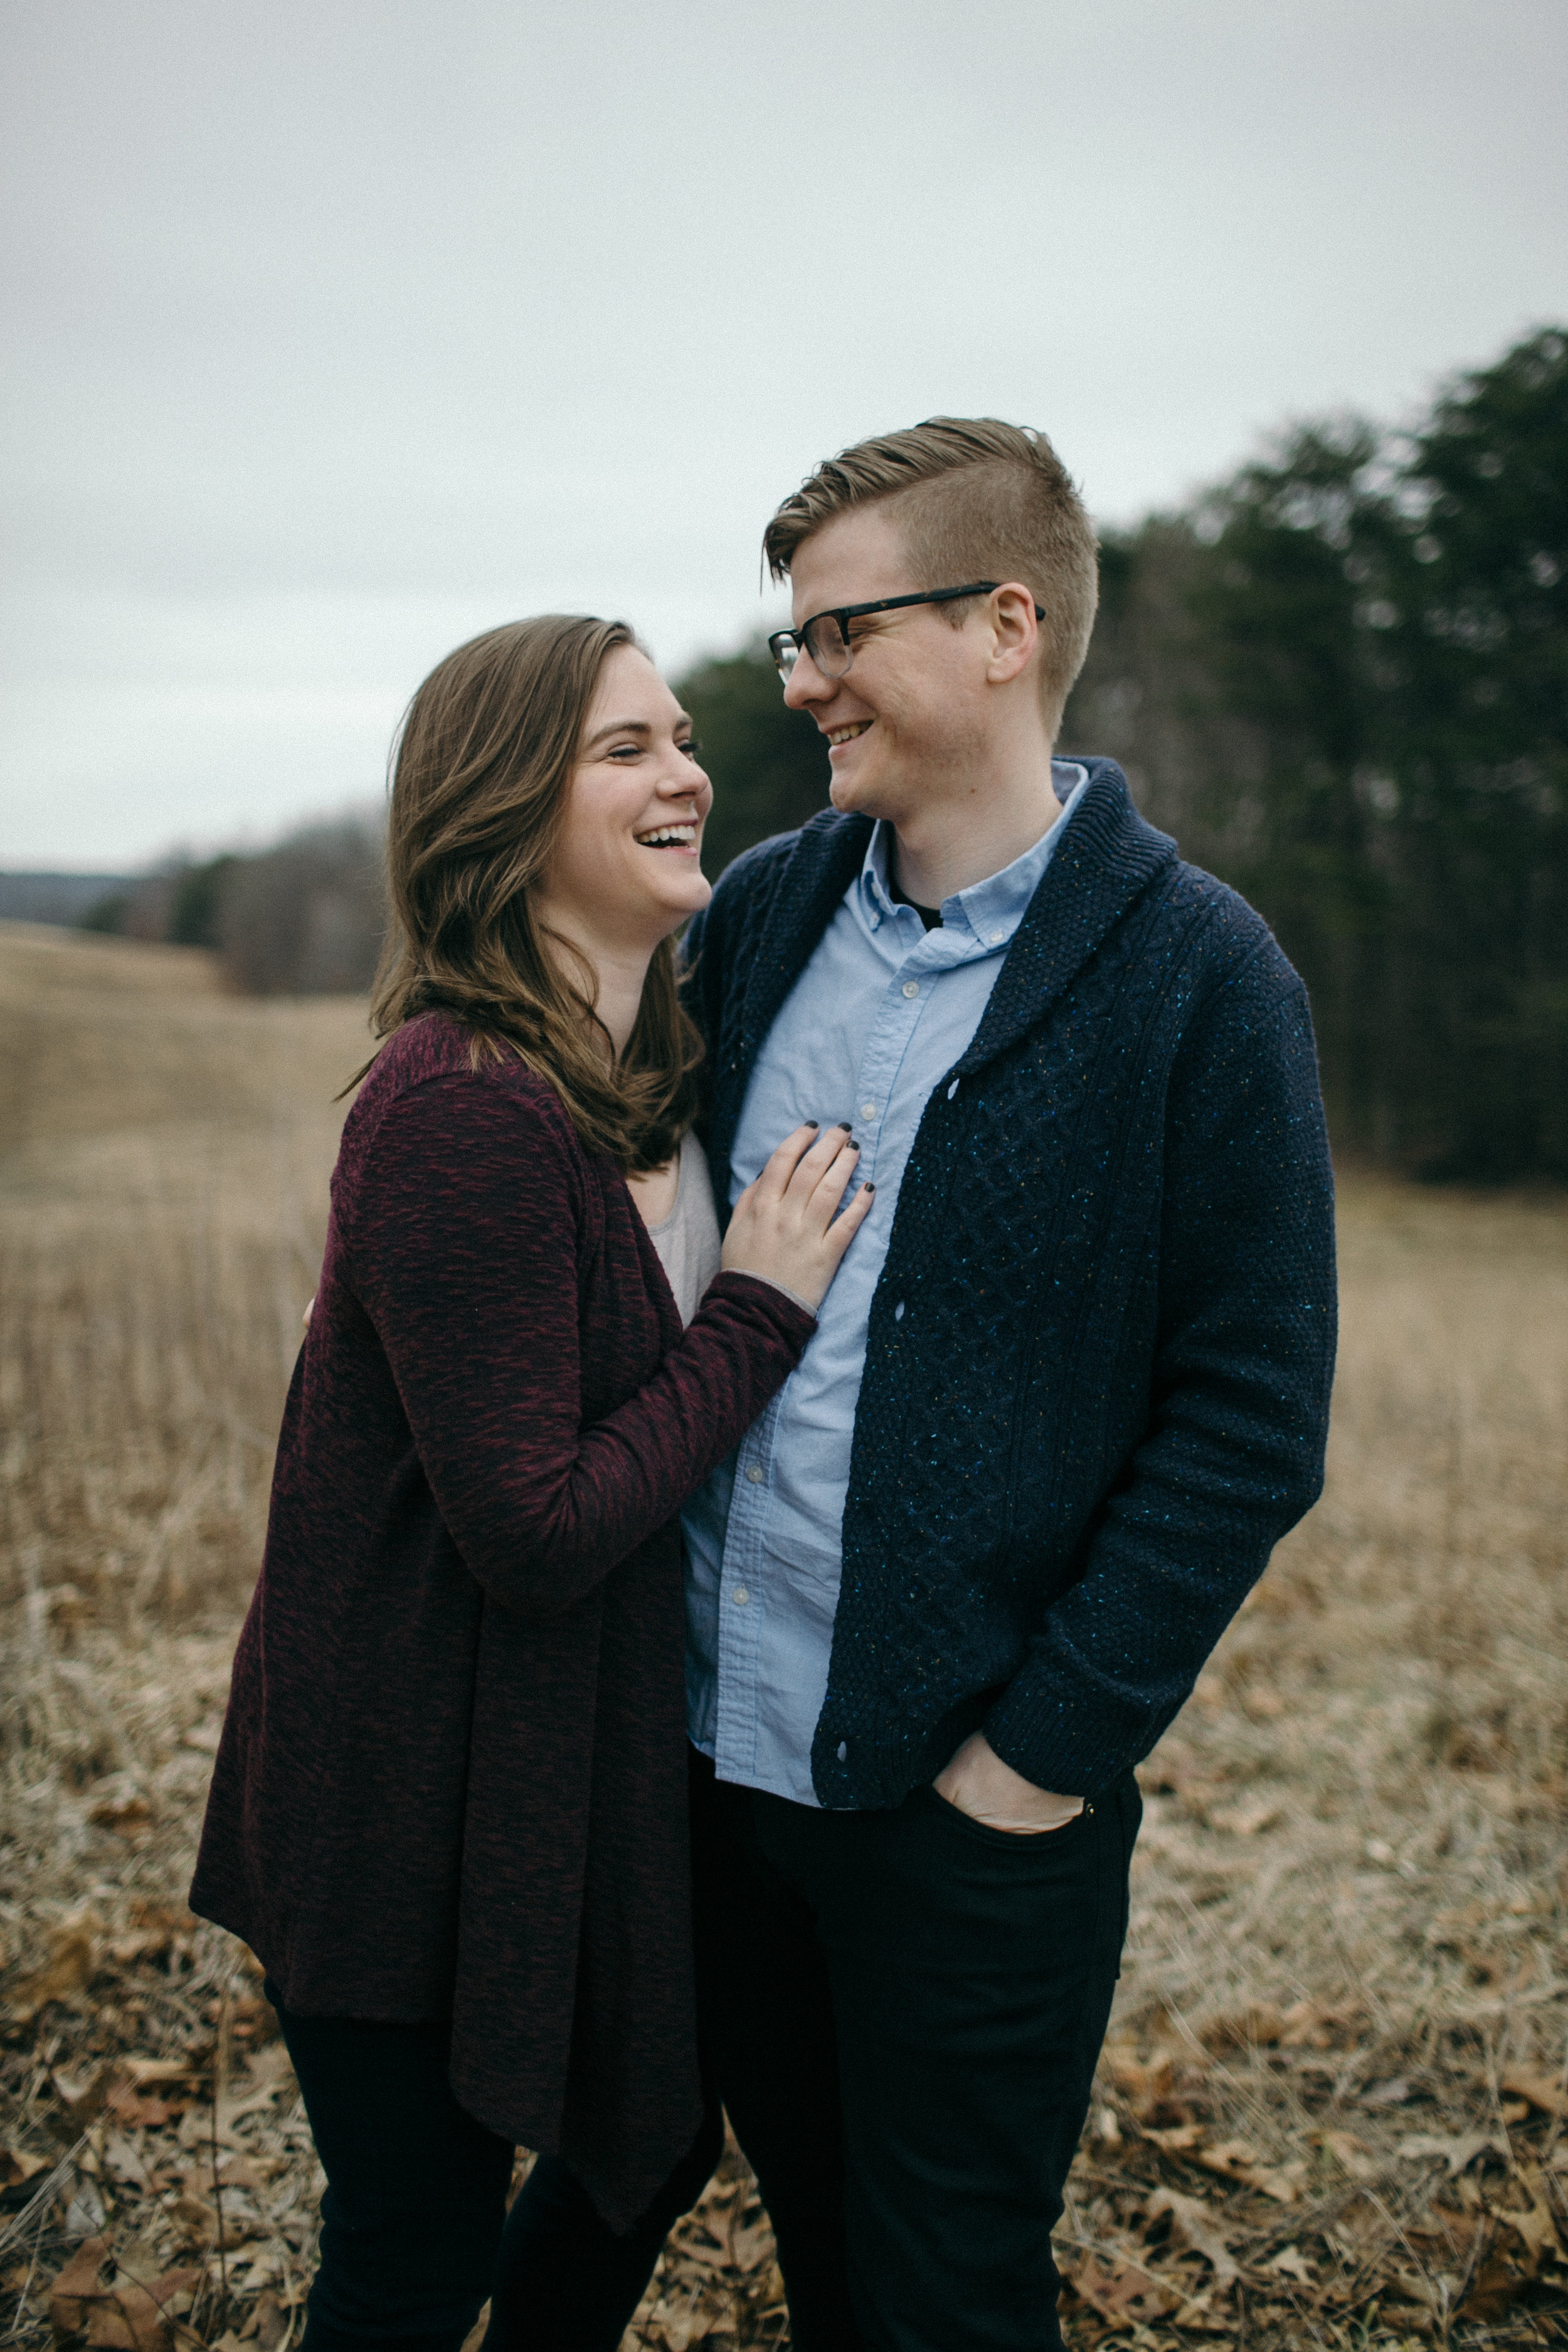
x=619, y=970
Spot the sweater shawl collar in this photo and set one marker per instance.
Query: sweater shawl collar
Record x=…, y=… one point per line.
x=1106, y=856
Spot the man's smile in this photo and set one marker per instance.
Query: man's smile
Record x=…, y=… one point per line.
x=836, y=735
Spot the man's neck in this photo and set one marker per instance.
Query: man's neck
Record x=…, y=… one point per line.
x=950, y=844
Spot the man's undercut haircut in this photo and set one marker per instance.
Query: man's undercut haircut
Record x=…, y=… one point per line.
x=972, y=498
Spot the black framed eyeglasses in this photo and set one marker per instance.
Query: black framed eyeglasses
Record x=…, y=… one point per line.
x=826, y=637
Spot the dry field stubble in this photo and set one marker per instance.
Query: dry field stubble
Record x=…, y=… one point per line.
x=1331, y=2108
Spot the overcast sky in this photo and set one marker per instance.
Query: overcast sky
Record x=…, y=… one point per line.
x=339, y=331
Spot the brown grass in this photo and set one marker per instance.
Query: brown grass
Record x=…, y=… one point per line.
x=1330, y=2112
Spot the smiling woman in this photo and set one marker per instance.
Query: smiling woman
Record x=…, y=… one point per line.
x=448, y=1811
x=530, y=761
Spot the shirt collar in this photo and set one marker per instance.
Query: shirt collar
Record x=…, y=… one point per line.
x=993, y=909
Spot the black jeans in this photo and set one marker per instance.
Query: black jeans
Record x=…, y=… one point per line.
x=903, y=2012
x=414, y=2230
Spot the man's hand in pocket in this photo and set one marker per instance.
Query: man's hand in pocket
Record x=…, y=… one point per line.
x=977, y=1781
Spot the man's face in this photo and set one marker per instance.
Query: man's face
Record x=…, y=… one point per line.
x=906, y=724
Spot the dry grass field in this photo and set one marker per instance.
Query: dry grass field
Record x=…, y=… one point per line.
x=1333, y=2111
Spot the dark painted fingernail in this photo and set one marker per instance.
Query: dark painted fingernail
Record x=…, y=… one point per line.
x=812, y=1122
x=867, y=1188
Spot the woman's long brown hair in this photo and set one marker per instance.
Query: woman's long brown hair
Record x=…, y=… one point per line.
x=484, y=764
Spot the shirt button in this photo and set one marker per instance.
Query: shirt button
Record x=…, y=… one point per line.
x=742, y=1596
x=869, y=1111
x=912, y=988
x=998, y=938
x=755, y=1473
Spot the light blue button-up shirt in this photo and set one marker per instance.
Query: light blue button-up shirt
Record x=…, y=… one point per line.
x=880, y=1014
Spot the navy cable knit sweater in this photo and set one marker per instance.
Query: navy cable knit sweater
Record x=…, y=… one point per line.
x=1099, y=1355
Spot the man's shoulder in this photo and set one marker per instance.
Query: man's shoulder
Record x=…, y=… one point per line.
x=822, y=842
x=1229, y=937
x=787, y=882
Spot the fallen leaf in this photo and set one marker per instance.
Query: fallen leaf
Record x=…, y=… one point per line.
x=69, y=1967
x=204, y=1736
x=1524, y=2083
x=1350, y=2153
x=1496, y=2284
x=85, y=2213
x=1233, y=2159
x=1197, y=2225
x=1283, y=2182
x=75, y=2286
x=18, y=2165
x=1536, y=2226
x=1246, y=1821
x=1180, y=2140
x=1312, y=2025
x=199, y=2218
x=271, y=2323
x=1251, y=2028
x=1123, y=2293
x=144, y=2071
x=1457, y=2151
x=83, y=2093
x=137, y=2113
x=128, y=1817
x=122, y=2159
x=1392, y=2093
x=1290, y=2263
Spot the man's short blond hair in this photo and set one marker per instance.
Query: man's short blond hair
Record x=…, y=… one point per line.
x=974, y=500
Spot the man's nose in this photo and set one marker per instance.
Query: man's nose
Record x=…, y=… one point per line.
x=806, y=684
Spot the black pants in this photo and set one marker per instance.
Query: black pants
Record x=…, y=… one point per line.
x=903, y=2011
x=414, y=2230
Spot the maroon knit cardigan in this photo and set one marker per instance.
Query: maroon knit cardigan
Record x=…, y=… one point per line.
x=452, y=1776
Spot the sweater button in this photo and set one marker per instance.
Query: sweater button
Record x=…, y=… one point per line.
x=844, y=1751
x=899, y=1312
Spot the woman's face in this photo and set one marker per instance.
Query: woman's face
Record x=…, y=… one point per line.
x=627, y=869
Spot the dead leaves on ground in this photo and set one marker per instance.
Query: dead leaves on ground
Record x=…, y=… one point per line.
x=718, y=2282
x=181, y=2175
x=1420, y=2232
x=96, y=2301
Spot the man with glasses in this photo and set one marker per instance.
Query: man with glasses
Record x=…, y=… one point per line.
x=1069, y=1389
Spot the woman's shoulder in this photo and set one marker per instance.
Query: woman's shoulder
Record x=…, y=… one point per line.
x=426, y=1076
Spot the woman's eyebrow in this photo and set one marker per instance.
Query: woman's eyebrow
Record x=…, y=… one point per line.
x=620, y=727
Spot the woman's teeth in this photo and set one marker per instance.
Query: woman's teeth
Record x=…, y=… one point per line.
x=836, y=735
x=670, y=837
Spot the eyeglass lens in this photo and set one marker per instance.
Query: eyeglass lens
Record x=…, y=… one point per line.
x=828, y=645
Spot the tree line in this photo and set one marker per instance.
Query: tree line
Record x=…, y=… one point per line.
x=1339, y=678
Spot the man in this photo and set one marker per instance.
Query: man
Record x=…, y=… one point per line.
x=1069, y=1389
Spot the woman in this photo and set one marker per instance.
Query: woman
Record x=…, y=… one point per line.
x=448, y=1809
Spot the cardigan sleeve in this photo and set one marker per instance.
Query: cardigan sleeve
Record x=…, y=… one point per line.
x=1233, y=1454
x=465, y=1232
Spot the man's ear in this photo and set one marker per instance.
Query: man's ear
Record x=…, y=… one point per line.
x=1015, y=633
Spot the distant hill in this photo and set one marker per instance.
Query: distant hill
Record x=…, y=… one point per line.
x=55, y=898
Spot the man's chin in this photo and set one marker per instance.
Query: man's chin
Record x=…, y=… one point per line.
x=856, y=796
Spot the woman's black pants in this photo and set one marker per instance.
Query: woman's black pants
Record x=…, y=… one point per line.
x=414, y=2230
